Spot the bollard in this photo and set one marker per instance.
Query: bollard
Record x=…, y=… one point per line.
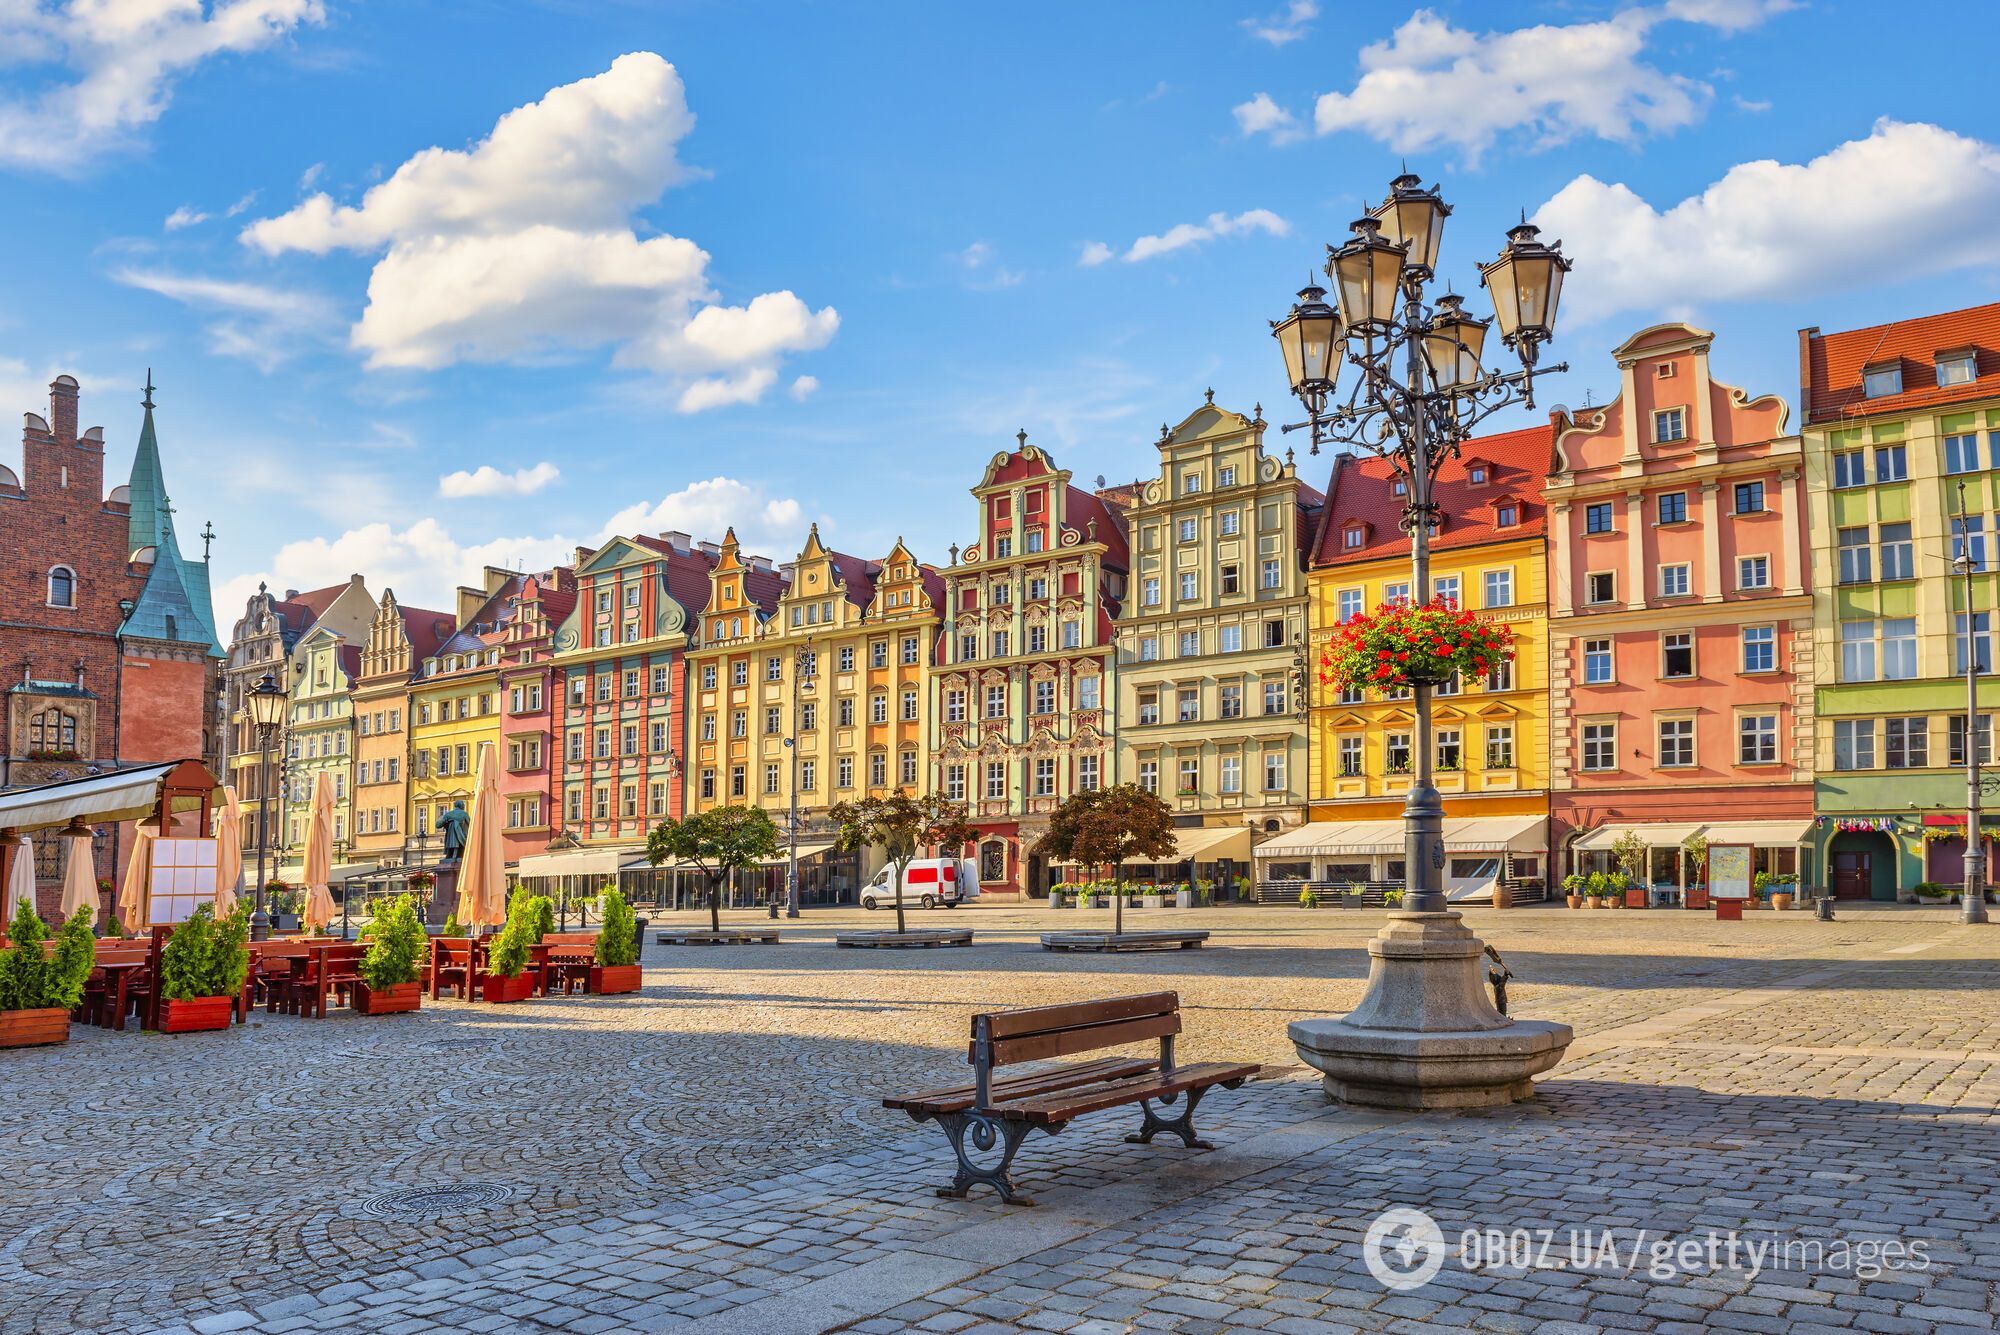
x=1824, y=908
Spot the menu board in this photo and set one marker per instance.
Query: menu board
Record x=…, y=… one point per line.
x=183, y=879
x=1730, y=870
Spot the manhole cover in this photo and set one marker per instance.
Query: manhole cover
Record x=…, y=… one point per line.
x=433, y=1202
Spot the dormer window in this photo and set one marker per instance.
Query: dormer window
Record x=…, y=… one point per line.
x=1881, y=381
x=1353, y=536
x=1957, y=368
x=1506, y=514
x=1476, y=475
x=1669, y=424
x=1400, y=487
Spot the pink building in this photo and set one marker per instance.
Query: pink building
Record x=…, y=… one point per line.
x=530, y=700
x=1680, y=617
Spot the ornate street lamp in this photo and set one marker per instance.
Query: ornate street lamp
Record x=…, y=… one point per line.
x=1420, y=391
x=265, y=704
x=1972, y=903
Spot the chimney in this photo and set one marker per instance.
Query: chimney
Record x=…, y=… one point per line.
x=679, y=541
x=758, y=562
x=62, y=409
x=710, y=550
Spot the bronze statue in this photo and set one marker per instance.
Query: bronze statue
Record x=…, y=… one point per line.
x=452, y=826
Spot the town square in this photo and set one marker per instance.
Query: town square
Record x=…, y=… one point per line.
x=866, y=668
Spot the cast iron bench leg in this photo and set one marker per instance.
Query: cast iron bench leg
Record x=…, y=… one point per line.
x=1182, y=1126
x=984, y=1133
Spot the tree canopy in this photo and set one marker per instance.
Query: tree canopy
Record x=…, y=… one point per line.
x=1101, y=827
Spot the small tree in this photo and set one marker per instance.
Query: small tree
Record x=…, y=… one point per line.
x=718, y=841
x=618, y=930
x=395, y=939
x=904, y=826
x=1695, y=849
x=30, y=978
x=508, y=955
x=1101, y=827
x=1630, y=855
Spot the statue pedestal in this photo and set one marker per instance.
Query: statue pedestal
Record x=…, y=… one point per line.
x=444, y=895
x=1425, y=1035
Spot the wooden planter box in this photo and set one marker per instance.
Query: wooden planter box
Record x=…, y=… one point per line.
x=388, y=1000
x=611, y=979
x=1697, y=896
x=27, y=1029
x=1635, y=897
x=498, y=989
x=194, y=1014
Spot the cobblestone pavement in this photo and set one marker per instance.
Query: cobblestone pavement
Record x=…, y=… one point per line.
x=712, y=1154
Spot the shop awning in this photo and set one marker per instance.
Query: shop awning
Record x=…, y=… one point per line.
x=126, y=794
x=784, y=857
x=1760, y=833
x=1462, y=834
x=1203, y=845
x=1672, y=834
x=575, y=862
x=1654, y=834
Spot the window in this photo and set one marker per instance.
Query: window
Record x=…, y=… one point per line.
x=739, y=781
x=657, y=736
x=1676, y=743
x=808, y=776
x=1188, y=586
x=1499, y=588
x=954, y=706
x=708, y=783
x=1955, y=368
x=1760, y=648
x=1476, y=475
x=968, y=648
x=1225, y=476
x=1597, y=517
x=1072, y=635
x=1149, y=775
x=1229, y=523
x=1034, y=540
x=1229, y=639
x=1677, y=654
x=1230, y=582
x=1882, y=380
x=1045, y=697
x=1856, y=556
x=1756, y=739
x=773, y=720
x=1669, y=424
x=1857, y=651
x=1898, y=557
x=739, y=723
x=844, y=712
x=1038, y=639
x=1002, y=644
x=1003, y=546
x=1353, y=536
x=774, y=668
x=739, y=672
x=1190, y=483
x=1086, y=693
x=954, y=782
x=771, y=778
x=1448, y=754
x=1149, y=707
x=1600, y=746
x=1002, y=595
x=1750, y=498
x=1506, y=516
x=808, y=715
x=1274, y=698
x=1961, y=453
x=996, y=702
x=1674, y=580
x=1753, y=572
x=1892, y=463
x=1149, y=591
x=1396, y=752
x=1850, y=469
x=1500, y=746
x=1086, y=774
x=1231, y=772
x=1968, y=537
x=708, y=676
x=843, y=772
x=1187, y=705
x=62, y=587
x=1396, y=593
x=1190, y=644
x=1672, y=507
x=1187, y=530
x=1982, y=642
x=1500, y=677
x=1854, y=743
x=1600, y=586
x=907, y=763
x=1906, y=742
x=909, y=704
x=1955, y=743
x=1899, y=649
x=1596, y=662
x=1348, y=603
x=1149, y=648
x=1230, y=698
x=1190, y=775
x=1350, y=757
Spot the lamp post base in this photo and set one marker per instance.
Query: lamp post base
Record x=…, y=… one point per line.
x=260, y=926
x=1425, y=1036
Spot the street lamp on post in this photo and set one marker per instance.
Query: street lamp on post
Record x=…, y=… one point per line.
x=1972, y=908
x=265, y=703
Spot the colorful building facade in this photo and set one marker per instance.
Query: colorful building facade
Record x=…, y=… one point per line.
x=1897, y=419
x=319, y=740
x=398, y=641
x=1211, y=644
x=1023, y=704
x=531, y=702
x=1682, y=637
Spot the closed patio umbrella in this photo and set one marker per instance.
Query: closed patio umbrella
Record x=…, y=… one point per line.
x=21, y=878
x=79, y=875
x=135, y=888
x=318, y=910
x=228, y=851
x=482, y=873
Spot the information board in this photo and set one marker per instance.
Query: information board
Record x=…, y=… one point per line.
x=1730, y=870
x=183, y=878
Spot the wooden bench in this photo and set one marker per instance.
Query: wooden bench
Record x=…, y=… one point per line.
x=987, y=1113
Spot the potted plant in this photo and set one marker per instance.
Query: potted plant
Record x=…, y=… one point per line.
x=1782, y=891
x=1573, y=889
x=389, y=969
x=1307, y=899
x=1595, y=887
x=1187, y=895
x=507, y=978
x=1153, y=898
x=1392, y=899
x=37, y=990
x=616, y=967
x=452, y=926
x=1931, y=890
x=201, y=970
x=1409, y=644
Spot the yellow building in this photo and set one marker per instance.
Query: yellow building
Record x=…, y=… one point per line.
x=454, y=711
x=1491, y=737
x=395, y=646
x=861, y=634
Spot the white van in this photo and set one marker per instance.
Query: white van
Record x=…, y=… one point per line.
x=927, y=883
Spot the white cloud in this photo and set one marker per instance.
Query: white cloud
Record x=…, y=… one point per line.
x=1728, y=15
x=240, y=206
x=1260, y=115
x=523, y=247
x=804, y=387
x=1183, y=235
x=112, y=66
x=486, y=480
x=1776, y=230
x=184, y=216
x=978, y=259
x=423, y=562
x=263, y=324
x=1287, y=26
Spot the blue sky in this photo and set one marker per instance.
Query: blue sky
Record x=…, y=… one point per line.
x=783, y=263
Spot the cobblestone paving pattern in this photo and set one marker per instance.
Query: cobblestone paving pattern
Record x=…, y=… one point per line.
x=713, y=1150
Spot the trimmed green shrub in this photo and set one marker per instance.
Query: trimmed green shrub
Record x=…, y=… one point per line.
x=617, y=937
x=30, y=980
x=206, y=958
x=452, y=926
x=395, y=943
x=508, y=955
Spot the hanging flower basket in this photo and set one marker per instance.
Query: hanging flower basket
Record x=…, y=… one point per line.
x=1412, y=644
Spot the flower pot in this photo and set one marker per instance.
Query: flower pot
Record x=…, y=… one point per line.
x=389, y=1000
x=1635, y=898
x=1153, y=901
x=1598, y=902
x=609, y=979
x=193, y=1014
x=1781, y=901
x=1183, y=899
x=500, y=989
x=1575, y=901
x=27, y=1029
x=1697, y=897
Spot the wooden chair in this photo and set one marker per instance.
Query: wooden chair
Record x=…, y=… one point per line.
x=329, y=970
x=456, y=962
x=991, y=1112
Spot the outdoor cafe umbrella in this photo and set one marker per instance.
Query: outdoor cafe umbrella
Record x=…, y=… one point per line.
x=21, y=879
x=134, y=888
x=318, y=910
x=228, y=851
x=79, y=874
x=482, y=892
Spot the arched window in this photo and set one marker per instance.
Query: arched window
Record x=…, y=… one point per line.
x=993, y=860
x=51, y=730
x=62, y=587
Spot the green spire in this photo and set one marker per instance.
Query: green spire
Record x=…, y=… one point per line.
x=175, y=603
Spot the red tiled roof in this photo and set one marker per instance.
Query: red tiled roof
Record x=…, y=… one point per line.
x=1082, y=507
x=857, y=573
x=1830, y=365
x=350, y=662
x=1363, y=493
x=426, y=630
